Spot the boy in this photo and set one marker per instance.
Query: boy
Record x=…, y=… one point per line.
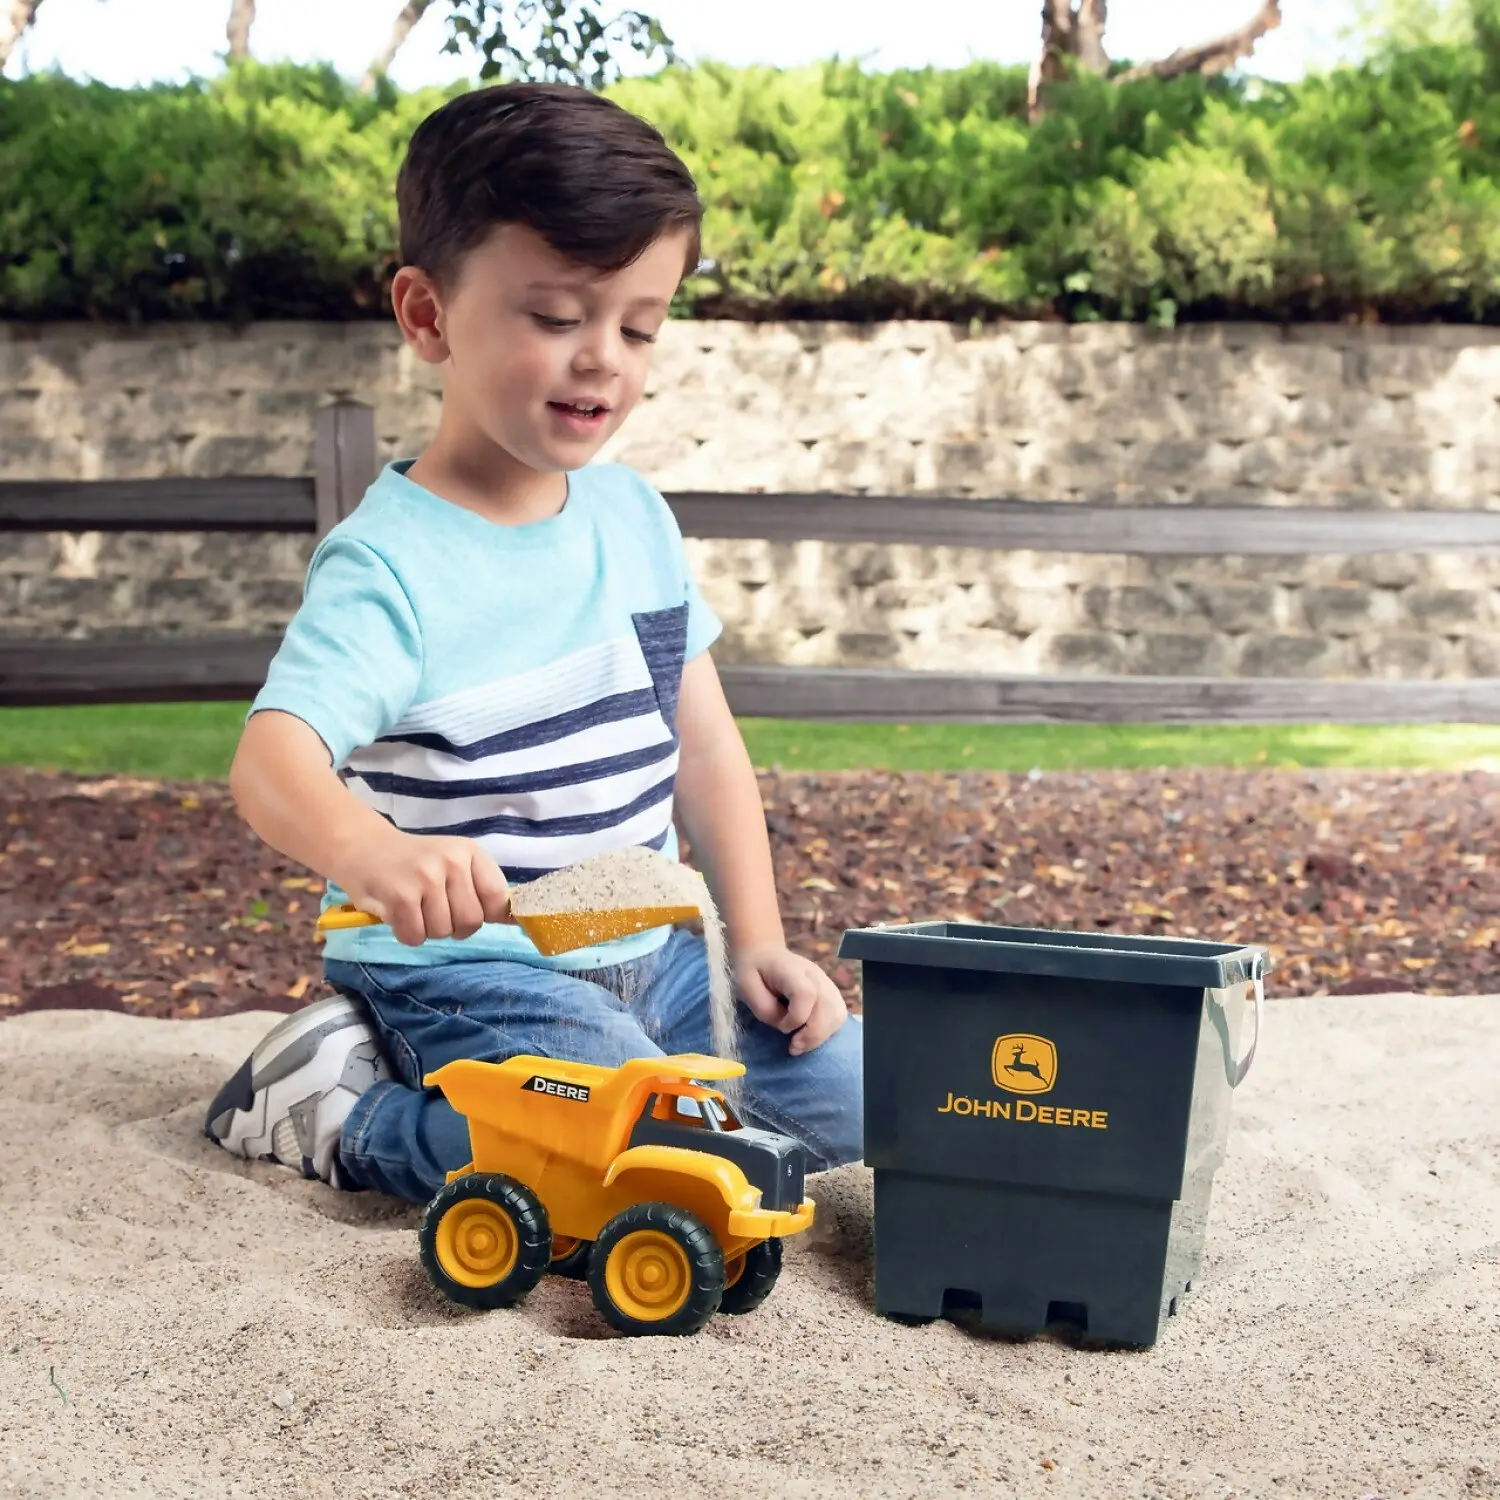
x=500, y=667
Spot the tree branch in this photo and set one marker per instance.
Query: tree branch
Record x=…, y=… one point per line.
x=21, y=14
x=1216, y=56
x=411, y=13
x=241, y=18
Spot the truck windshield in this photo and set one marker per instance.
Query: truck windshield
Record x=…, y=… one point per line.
x=712, y=1114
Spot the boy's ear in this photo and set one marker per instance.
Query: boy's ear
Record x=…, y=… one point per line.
x=419, y=311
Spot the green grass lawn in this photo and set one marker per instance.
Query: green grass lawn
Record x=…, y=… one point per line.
x=197, y=740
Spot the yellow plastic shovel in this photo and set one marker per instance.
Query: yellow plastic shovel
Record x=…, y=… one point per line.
x=553, y=932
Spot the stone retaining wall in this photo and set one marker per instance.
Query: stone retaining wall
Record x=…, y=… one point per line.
x=1221, y=414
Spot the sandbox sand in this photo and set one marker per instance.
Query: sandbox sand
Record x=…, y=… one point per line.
x=174, y=1322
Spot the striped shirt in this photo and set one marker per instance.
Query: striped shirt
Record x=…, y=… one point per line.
x=516, y=685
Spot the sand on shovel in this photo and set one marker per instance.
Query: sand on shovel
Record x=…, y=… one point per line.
x=629, y=879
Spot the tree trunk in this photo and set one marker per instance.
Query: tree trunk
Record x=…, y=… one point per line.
x=14, y=19
x=1070, y=29
x=411, y=13
x=241, y=18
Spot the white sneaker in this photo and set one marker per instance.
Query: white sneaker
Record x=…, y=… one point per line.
x=290, y=1098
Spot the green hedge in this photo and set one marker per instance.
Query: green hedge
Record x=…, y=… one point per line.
x=830, y=192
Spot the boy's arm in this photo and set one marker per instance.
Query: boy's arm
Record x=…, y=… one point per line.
x=342, y=676
x=286, y=789
x=718, y=801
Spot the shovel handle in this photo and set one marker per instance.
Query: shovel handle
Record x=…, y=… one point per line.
x=346, y=915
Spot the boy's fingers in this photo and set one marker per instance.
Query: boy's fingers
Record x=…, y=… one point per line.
x=465, y=910
x=437, y=920
x=826, y=1019
x=404, y=917
x=801, y=1000
x=763, y=1005
x=491, y=887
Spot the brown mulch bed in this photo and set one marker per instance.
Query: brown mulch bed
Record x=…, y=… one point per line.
x=154, y=897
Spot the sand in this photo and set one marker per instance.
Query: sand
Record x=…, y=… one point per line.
x=174, y=1322
x=635, y=877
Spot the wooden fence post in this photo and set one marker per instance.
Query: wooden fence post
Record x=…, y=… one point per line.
x=344, y=460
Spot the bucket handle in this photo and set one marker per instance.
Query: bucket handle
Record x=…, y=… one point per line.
x=1257, y=978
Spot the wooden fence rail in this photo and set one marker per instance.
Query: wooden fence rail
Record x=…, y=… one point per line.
x=121, y=669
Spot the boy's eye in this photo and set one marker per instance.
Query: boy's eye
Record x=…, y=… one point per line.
x=639, y=337
x=547, y=322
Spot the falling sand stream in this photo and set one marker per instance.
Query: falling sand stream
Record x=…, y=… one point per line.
x=630, y=879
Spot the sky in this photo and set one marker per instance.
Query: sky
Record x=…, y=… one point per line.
x=128, y=42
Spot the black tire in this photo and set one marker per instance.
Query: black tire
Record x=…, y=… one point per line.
x=497, y=1202
x=694, y=1274
x=574, y=1264
x=762, y=1265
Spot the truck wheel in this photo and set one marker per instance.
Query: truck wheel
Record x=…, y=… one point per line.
x=656, y=1268
x=748, y=1278
x=570, y=1257
x=484, y=1240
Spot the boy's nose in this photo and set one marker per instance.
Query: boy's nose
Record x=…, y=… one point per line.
x=599, y=353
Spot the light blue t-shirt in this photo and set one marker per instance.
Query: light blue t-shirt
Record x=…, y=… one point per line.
x=516, y=685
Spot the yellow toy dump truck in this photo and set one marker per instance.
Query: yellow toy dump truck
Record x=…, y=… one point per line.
x=640, y=1179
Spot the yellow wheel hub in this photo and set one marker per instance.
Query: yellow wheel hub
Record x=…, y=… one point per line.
x=477, y=1243
x=648, y=1276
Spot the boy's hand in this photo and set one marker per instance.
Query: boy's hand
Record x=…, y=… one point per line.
x=428, y=886
x=791, y=993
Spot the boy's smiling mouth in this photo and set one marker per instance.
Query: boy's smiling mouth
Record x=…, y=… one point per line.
x=581, y=416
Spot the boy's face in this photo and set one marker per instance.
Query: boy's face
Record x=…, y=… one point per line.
x=543, y=356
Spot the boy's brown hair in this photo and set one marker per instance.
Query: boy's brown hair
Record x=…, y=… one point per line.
x=598, y=183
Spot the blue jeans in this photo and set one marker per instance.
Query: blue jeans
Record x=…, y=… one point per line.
x=403, y=1139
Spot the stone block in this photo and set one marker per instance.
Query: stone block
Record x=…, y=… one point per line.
x=1402, y=467
x=1406, y=655
x=1237, y=608
x=1399, y=370
x=1386, y=570
x=265, y=602
x=44, y=456
x=1187, y=462
x=171, y=359
x=978, y=651
x=1179, y=654
x=988, y=468
x=1443, y=611
x=135, y=455
x=1480, y=655
x=28, y=553
x=77, y=606
x=28, y=414
x=1130, y=608
x=1027, y=611
x=1076, y=651
x=38, y=357
x=211, y=601
x=248, y=453
x=874, y=466
x=1343, y=609
x=866, y=648
x=1287, y=655
x=1286, y=466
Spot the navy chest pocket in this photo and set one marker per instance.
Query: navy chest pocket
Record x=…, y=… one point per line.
x=662, y=634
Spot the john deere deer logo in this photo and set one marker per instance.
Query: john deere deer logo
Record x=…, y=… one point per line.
x=1024, y=1064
